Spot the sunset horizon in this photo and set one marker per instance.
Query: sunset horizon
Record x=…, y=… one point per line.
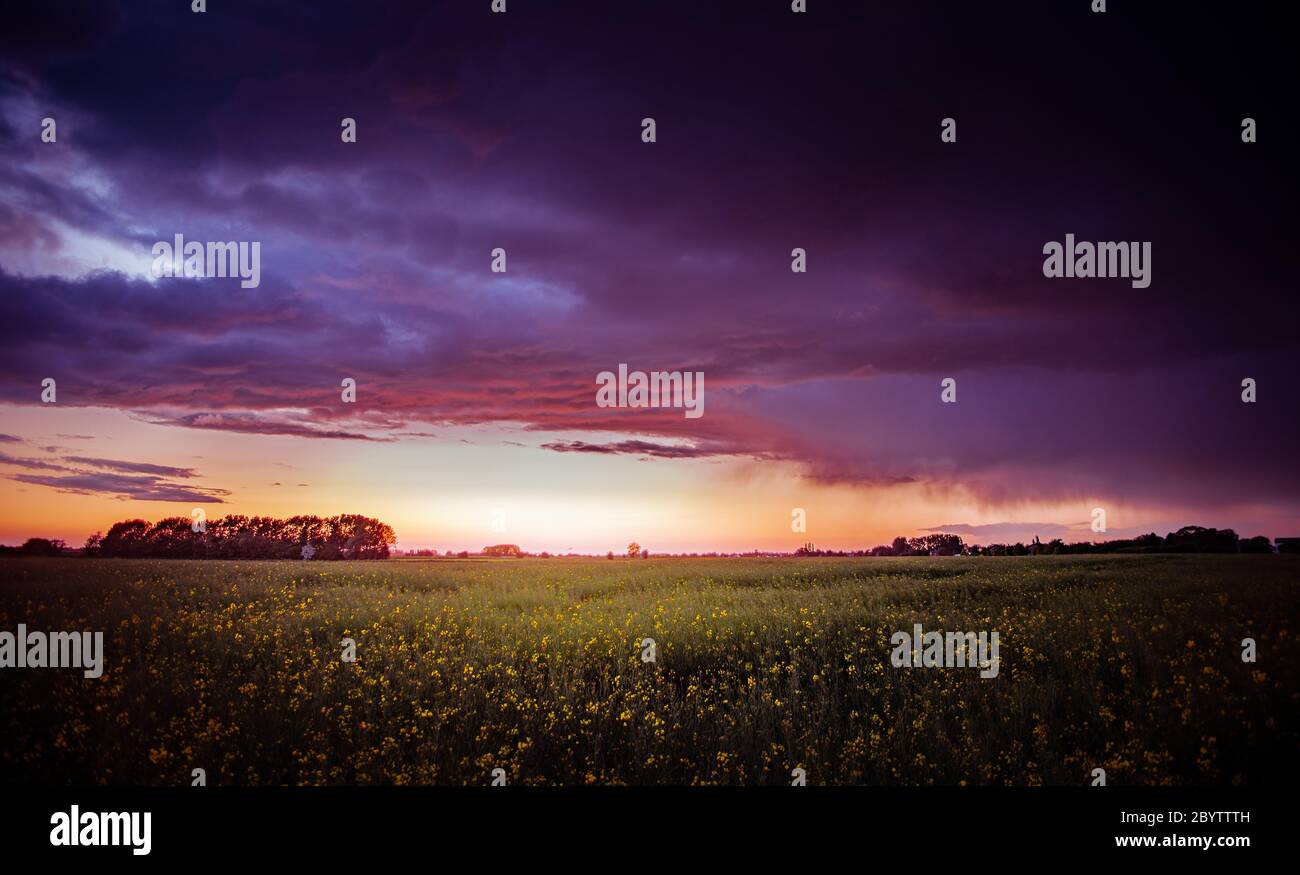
x=746, y=505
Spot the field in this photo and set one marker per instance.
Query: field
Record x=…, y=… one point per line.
x=1130, y=664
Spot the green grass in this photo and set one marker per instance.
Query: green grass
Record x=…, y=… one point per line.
x=1132, y=664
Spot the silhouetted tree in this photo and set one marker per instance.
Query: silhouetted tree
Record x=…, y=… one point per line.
x=933, y=545
x=127, y=539
x=41, y=547
x=349, y=536
x=1257, y=544
x=1196, y=539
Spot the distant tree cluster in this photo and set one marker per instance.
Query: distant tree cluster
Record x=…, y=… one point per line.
x=36, y=547
x=1188, y=539
x=925, y=545
x=348, y=536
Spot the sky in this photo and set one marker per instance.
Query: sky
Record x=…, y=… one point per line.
x=475, y=419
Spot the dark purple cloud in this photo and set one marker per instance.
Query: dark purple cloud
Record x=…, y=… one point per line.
x=142, y=481
x=132, y=467
x=818, y=131
x=634, y=447
x=138, y=488
x=36, y=464
x=255, y=424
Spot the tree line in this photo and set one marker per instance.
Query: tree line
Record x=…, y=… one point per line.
x=347, y=536
x=36, y=547
x=1188, y=539
x=351, y=536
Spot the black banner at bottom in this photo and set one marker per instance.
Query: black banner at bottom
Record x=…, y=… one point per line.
x=505, y=824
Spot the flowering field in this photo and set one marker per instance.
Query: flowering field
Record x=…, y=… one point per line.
x=760, y=666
